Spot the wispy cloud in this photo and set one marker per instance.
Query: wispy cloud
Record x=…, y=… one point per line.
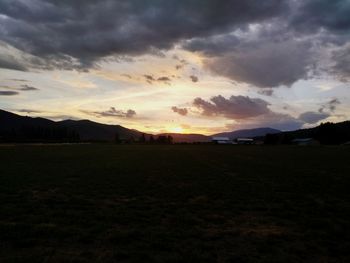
x=27, y=88
x=112, y=112
x=8, y=93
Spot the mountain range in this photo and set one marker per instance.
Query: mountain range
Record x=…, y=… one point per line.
x=17, y=127
x=93, y=131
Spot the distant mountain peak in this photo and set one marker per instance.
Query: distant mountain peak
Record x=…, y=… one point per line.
x=250, y=133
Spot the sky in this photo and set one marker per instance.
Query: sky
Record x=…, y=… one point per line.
x=185, y=66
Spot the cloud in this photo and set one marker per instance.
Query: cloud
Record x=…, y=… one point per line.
x=330, y=105
x=313, y=117
x=280, y=121
x=341, y=67
x=253, y=112
x=283, y=122
x=284, y=49
x=28, y=111
x=22, y=88
x=313, y=15
x=28, y=88
x=19, y=80
x=126, y=75
x=263, y=64
x=8, y=93
x=10, y=62
x=182, y=62
x=164, y=79
x=238, y=39
x=266, y=92
x=57, y=31
x=130, y=113
x=236, y=107
x=194, y=78
x=181, y=111
x=149, y=78
x=113, y=112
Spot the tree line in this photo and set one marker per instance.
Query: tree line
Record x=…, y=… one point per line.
x=143, y=139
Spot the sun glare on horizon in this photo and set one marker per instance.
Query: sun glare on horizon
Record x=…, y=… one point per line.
x=176, y=129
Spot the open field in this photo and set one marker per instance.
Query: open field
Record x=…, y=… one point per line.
x=176, y=203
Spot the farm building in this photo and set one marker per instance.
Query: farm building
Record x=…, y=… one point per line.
x=221, y=140
x=245, y=141
x=305, y=141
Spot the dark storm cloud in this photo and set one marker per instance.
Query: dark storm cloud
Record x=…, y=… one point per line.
x=263, y=62
x=8, y=93
x=284, y=49
x=235, y=107
x=312, y=15
x=341, y=68
x=10, y=62
x=88, y=30
x=112, y=112
x=181, y=111
x=264, y=43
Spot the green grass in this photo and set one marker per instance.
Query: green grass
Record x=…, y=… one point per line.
x=139, y=203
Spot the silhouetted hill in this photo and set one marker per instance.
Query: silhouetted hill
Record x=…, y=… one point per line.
x=247, y=133
x=14, y=127
x=89, y=130
x=326, y=133
x=188, y=138
x=9, y=120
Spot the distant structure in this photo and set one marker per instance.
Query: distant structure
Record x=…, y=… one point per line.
x=305, y=141
x=244, y=141
x=221, y=140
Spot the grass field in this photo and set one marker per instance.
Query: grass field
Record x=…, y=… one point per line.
x=140, y=203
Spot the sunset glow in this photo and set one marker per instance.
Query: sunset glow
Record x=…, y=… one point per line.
x=260, y=69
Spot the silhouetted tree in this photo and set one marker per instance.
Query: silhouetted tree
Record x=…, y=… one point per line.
x=142, y=138
x=131, y=139
x=162, y=139
x=151, y=139
x=117, y=138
